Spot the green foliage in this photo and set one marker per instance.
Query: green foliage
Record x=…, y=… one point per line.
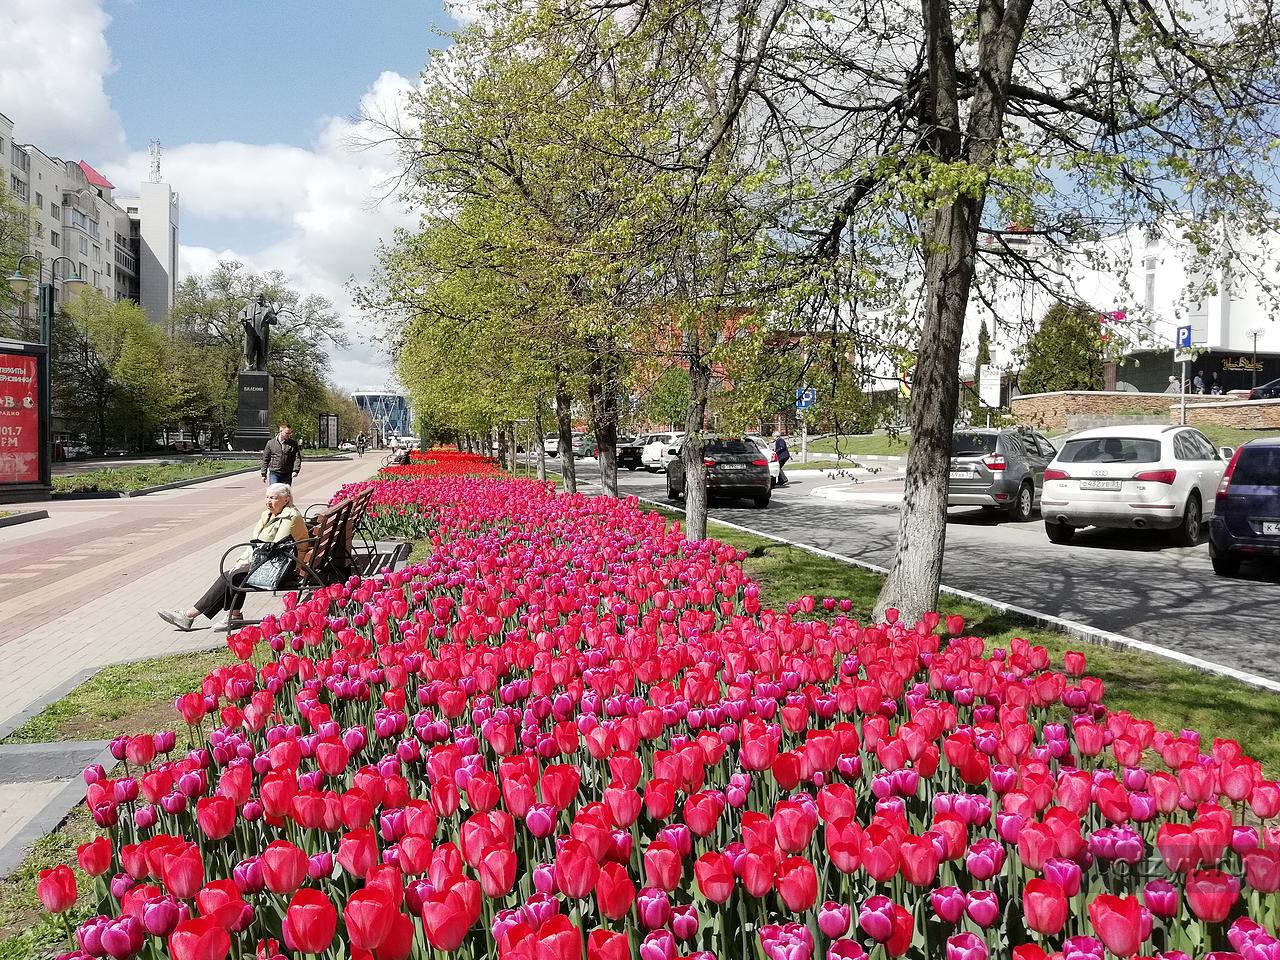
x=1066, y=353
x=15, y=226
x=142, y=477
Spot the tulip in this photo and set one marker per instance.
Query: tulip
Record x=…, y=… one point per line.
x=56, y=889
x=983, y=907
x=876, y=918
x=615, y=891
x=653, y=906
x=284, y=866
x=1211, y=894
x=684, y=922
x=965, y=946
x=608, y=945
x=576, y=870
x=797, y=883
x=199, y=939
x=715, y=877
x=948, y=903
x=834, y=919
x=1117, y=923
x=368, y=916
x=1044, y=906
x=94, y=857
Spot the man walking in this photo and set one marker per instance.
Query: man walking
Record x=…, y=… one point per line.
x=784, y=454
x=281, y=457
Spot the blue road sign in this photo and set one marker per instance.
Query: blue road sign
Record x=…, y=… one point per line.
x=1184, y=337
x=806, y=398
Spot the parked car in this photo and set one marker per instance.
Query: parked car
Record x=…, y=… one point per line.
x=1001, y=469
x=1268, y=391
x=551, y=444
x=629, y=452
x=116, y=452
x=1143, y=477
x=766, y=447
x=584, y=445
x=735, y=469
x=657, y=451
x=1246, y=519
x=76, y=450
x=347, y=446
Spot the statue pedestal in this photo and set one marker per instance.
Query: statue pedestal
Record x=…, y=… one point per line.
x=253, y=411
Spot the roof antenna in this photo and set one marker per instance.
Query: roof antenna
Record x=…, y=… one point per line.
x=154, y=151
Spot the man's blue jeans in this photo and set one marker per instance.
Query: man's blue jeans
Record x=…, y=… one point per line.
x=273, y=477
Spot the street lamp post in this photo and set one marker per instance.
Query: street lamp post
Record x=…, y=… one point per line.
x=1255, y=333
x=72, y=283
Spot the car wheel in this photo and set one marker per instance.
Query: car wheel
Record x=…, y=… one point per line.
x=671, y=491
x=1225, y=564
x=632, y=469
x=761, y=500
x=1188, y=532
x=1059, y=532
x=1023, y=503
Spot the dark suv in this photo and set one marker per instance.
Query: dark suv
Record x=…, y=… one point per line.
x=1268, y=391
x=735, y=468
x=1000, y=469
x=1246, y=518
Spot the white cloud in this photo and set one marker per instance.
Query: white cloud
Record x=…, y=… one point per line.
x=54, y=61
x=326, y=200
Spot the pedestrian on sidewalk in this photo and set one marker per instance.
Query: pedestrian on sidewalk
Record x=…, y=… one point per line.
x=279, y=522
x=281, y=457
x=784, y=454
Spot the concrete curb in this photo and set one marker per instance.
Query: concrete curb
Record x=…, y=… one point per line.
x=1071, y=628
x=119, y=494
x=24, y=517
x=47, y=819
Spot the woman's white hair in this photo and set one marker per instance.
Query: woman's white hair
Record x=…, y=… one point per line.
x=280, y=488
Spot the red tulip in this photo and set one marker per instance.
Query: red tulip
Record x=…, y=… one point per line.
x=714, y=874
x=56, y=888
x=663, y=866
x=576, y=870
x=310, y=922
x=368, y=916
x=702, y=812
x=448, y=915
x=797, y=883
x=220, y=900
x=216, y=816
x=182, y=870
x=284, y=866
x=615, y=891
x=399, y=942
x=1044, y=906
x=358, y=852
x=560, y=785
x=1117, y=921
x=497, y=871
x=756, y=868
x=608, y=945
x=199, y=939
x=1211, y=894
x=94, y=857
x=919, y=860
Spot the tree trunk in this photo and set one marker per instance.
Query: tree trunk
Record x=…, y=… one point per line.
x=916, y=573
x=513, y=447
x=564, y=427
x=602, y=396
x=695, y=471
x=542, y=447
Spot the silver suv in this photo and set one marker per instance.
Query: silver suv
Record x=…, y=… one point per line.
x=999, y=470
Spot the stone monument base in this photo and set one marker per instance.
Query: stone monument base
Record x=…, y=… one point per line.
x=253, y=411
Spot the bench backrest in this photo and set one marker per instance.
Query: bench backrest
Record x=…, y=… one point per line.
x=326, y=535
x=359, y=508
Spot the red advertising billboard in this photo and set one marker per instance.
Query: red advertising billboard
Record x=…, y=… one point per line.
x=19, y=418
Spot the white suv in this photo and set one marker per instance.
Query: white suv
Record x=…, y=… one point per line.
x=1144, y=477
x=657, y=451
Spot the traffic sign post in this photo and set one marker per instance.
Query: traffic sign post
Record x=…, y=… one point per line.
x=1183, y=355
x=805, y=398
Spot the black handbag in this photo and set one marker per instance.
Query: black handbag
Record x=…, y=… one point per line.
x=270, y=563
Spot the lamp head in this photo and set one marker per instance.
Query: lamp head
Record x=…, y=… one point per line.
x=20, y=284
x=72, y=284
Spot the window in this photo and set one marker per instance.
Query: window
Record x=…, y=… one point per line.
x=1203, y=447
x=1110, y=450
x=39, y=230
x=1149, y=294
x=55, y=239
x=106, y=268
x=84, y=245
x=973, y=444
x=39, y=200
x=19, y=158
x=55, y=211
x=1257, y=467
x=1184, y=448
x=1047, y=449
x=18, y=187
x=732, y=446
x=84, y=270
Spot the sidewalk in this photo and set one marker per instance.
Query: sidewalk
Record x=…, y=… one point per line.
x=80, y=590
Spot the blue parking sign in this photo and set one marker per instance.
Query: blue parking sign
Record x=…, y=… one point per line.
x=806, y=398
x=1184, y=337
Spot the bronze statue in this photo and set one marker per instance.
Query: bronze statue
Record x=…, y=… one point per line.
x=257, y=318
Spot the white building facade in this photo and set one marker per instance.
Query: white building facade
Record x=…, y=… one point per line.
x=73, y=213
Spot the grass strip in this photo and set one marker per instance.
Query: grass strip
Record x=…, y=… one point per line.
x=130, y=479
x=128, y=698
x=27, y=932
x=1171, y=695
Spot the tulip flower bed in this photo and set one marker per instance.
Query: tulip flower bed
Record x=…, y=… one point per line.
x=569, y=733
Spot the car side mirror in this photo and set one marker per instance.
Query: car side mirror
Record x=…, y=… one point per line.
x=1226, y=453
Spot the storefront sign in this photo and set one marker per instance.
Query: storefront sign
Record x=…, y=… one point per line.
x=19, y=418
x=1241, y=363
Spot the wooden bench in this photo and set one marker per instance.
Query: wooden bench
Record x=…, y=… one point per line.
x=333, y=554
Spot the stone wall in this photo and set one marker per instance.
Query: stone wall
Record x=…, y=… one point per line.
x=1244, y=414
x=1064, y=409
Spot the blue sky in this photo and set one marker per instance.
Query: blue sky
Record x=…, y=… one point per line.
x=256, y=105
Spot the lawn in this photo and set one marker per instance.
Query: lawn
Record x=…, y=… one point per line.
x=867, y=445
x=127, y=479
x=129, y=698
x=1234, y=436
x=1174, y=697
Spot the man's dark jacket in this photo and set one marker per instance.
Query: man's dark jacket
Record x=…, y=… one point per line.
x=282, y=458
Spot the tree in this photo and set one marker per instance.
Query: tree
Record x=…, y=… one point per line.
x=1066, y=353
x=15, y=228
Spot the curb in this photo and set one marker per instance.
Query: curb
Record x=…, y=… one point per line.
x=1072, y=628
x=121, y=494
x=24, y=517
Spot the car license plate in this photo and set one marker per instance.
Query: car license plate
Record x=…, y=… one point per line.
x=1271, y=528
x=961, y=475
x=1099, y=484
x=733, y=466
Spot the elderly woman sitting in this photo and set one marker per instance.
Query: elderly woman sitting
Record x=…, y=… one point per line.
x=280, y=521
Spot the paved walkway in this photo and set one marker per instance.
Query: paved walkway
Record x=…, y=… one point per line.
x=80, y=590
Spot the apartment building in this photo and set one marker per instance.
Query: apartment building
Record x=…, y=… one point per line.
x=125, y=247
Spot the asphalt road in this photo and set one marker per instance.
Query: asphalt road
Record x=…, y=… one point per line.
x=1131, y=583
